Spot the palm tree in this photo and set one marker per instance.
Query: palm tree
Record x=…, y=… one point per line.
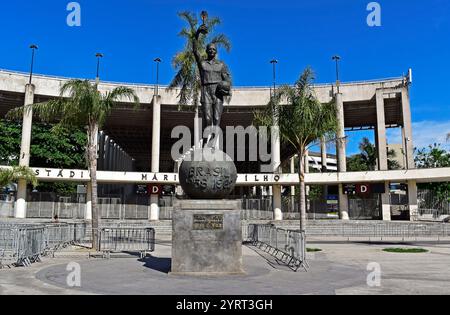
x=13, y=174
x=187, y=77
x=301, y=122
x=81, y=104
x=367, y=159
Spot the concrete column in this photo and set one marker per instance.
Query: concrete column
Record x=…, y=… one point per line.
x=156, y=140
x=154, y=208
x=381, y=132
x=107, y=151
x=114, y=157
x=386, y=204
x=307, y=187
x=341, y=143
x=117, y=157
x=88, y=215
x=404, y=154
x=111, y=155
x=343, y=204
x=24, y=159
x=120, y=159
x=101, y=151
x=323, y=153
x=276, y=163
x=341, y=150
x=324, y=162
x=407, y=130
x=156, y=133
x=413, y=203
x=278, y=214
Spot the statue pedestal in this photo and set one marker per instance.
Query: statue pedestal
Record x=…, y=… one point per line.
x=207, y=238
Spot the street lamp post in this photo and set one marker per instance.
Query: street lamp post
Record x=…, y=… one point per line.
x=33, y=49
x=338, y=83
x=274, y=63
x=157, y=61
x=97, y=78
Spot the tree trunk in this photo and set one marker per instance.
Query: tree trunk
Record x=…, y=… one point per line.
x=302, y=191
x=92, y=158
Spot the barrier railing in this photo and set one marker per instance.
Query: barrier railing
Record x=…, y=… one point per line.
x=288, y=247
x=22, y=244
x=140, y=240
x=380, y=230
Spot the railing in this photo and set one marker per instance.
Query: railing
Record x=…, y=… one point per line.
x=140, y=240
x=22, y=244
x=379, y=230
x=48, y=210
x=430, y=204
x=6, y=209
x=288, y=247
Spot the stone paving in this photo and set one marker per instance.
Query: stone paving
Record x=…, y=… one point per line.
x=338, y=269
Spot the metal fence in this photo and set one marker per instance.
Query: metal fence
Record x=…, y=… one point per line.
x=23, y=244
x=6, y=209
x=364, y=209
x=379, y=230
x=432, y=205
x=140, y=240
x=50, y=209
x=288, y=247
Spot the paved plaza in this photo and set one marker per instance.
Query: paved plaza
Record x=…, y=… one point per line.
x=339, y=269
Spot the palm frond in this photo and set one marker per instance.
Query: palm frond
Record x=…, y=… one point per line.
x=11, y=175
x=222, y=41
x=189, y=17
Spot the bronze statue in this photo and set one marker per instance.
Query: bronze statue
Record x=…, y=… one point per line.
x=215, y=79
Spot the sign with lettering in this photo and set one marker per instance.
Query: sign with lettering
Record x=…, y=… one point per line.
x=154, y=189
x=216, y=179
x=208, y=222
x=363, y=189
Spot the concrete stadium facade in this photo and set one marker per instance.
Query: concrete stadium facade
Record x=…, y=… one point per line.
x=134, y=145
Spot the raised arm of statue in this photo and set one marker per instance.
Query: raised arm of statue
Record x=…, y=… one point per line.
x=202, y=30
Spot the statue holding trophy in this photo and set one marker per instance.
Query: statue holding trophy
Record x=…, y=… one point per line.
x=215, y=79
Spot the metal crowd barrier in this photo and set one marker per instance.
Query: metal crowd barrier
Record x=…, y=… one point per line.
x=23, y=244
x=404, y=231
x=288, y=247
x=140, y=240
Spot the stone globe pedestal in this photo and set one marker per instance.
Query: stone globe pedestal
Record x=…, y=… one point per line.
x=207, y=229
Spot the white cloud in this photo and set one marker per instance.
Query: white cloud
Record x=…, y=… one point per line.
x=425, y=133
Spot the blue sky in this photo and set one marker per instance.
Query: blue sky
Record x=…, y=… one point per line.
x=414, y=33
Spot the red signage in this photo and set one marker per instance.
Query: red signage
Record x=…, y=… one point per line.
x=363, y=189
x=154, y=189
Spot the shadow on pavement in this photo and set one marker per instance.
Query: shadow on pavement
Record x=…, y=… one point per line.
x=163, y=265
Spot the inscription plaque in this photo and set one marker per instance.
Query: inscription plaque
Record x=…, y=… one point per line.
x=208, y=222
